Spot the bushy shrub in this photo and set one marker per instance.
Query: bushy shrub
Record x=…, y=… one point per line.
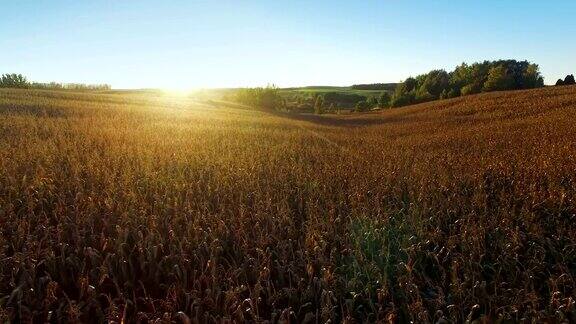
x=362, y=106
x=260, y=98
x=384, y=100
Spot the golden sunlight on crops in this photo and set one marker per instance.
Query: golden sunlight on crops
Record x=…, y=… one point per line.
x=142, y=207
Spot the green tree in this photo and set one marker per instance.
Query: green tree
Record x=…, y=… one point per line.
x=13, y=81
x=362, y=106
x=372, y=102
x=422, y=95
x=319, y=105
x=498, y=79
x=532, y=77
x=402, y=96
x=384, y=100
x=468, y=79
x=260, y=98
x=270, y=98
x=469, y=89
x=453, y=93
x=435, y=83
x=410, y=84
x=342, y=98
x=461, y=76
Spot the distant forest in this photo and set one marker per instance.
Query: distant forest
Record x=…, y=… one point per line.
x=465, y=79
x=375, y=86
x=14, y=80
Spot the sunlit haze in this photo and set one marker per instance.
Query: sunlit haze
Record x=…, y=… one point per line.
x=194, y=44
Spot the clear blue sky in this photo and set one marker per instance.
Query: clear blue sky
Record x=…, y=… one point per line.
x=211, y=43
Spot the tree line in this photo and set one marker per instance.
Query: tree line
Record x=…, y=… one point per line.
x=267, y=98
x=467, y=79
x=568, y=80
x=18, y=81
x=322, y=102
x=375, y=86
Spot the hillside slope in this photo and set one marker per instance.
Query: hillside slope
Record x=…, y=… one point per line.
x=125, y=207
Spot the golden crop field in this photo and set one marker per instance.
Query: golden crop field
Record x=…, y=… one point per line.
x=146, y=208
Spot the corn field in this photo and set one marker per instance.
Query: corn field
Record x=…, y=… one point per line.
x=141, y=208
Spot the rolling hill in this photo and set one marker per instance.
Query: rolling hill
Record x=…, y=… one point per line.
x=126, y=207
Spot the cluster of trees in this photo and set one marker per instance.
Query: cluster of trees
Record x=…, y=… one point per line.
x=316, y=101
x=332, y=101
x=14, y=80
x=468, y=79
x=321, y=105
x=568, y=80
x=366, y=105
x=382, y=102
x=375, y=86
x=342, y=99
x=267, y=98
x=70, y=86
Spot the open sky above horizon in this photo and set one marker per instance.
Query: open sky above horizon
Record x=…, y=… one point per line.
x=232, y=43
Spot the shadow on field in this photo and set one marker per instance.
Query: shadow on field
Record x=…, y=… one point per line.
x=372, y=119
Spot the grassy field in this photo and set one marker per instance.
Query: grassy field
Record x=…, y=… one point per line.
x=152, y=208
x=302, y=99
x=321, y=90
x=336, y=99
